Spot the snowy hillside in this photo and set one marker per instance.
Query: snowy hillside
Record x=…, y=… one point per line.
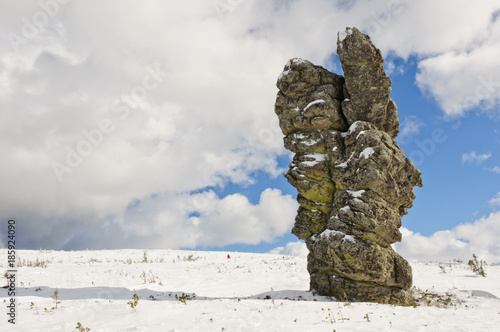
x=206, y=291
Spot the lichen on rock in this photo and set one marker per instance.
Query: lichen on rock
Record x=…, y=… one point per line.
x=354, y=182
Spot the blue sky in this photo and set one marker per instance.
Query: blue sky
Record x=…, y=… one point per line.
x=455, y=190
x=131, y=125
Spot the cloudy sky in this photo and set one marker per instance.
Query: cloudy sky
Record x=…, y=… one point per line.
x=127, y=124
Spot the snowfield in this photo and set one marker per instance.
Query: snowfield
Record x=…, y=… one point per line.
x=206, y=291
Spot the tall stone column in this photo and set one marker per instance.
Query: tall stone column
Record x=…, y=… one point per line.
x=354, y=183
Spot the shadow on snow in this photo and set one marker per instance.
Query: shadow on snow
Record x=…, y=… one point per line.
x=122, y=293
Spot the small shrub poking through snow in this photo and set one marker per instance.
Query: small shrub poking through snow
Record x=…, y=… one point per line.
x=477, y=266
x=134, y=302
x=55, y=296
x=184, y=297
x=431, y=298
x=81, y=328
x=190, y=258
x=34, y=307
x=36, y=263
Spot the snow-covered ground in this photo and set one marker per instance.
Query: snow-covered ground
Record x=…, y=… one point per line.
x=206, y=291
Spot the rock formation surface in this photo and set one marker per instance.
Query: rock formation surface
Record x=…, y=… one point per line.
x=354, y=183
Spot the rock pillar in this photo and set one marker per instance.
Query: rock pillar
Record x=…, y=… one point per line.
x=354, y=183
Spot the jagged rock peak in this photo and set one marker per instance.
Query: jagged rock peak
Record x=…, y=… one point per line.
x=366, y=83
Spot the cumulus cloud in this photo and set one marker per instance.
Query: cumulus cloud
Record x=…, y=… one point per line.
x=495, y=201
x=105, y=105
x=473, y=157
x=457, y=65
x=496, y=169
x=182, y=221
x=481, y=237
x=465, y=76
x=298, y=248
x=95, y=118
x=392, y=69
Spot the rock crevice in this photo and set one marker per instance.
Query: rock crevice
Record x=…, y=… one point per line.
x=353, y=180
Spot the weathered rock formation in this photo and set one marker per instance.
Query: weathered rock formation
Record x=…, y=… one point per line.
x=354, y=183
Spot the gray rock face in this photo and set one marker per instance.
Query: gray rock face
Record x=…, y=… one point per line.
x=367, y=86
x=354, y=183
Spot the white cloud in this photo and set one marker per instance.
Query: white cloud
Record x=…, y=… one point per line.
x=481, y=238
x=409, y=127
x=234, y=219
x=298, y=248
x=210, y=120
x=404, y=32
x=495, y=200
x=182, y=221
x=473, y=157
x=496, y=169
x=465, y=77
x=392, y=69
